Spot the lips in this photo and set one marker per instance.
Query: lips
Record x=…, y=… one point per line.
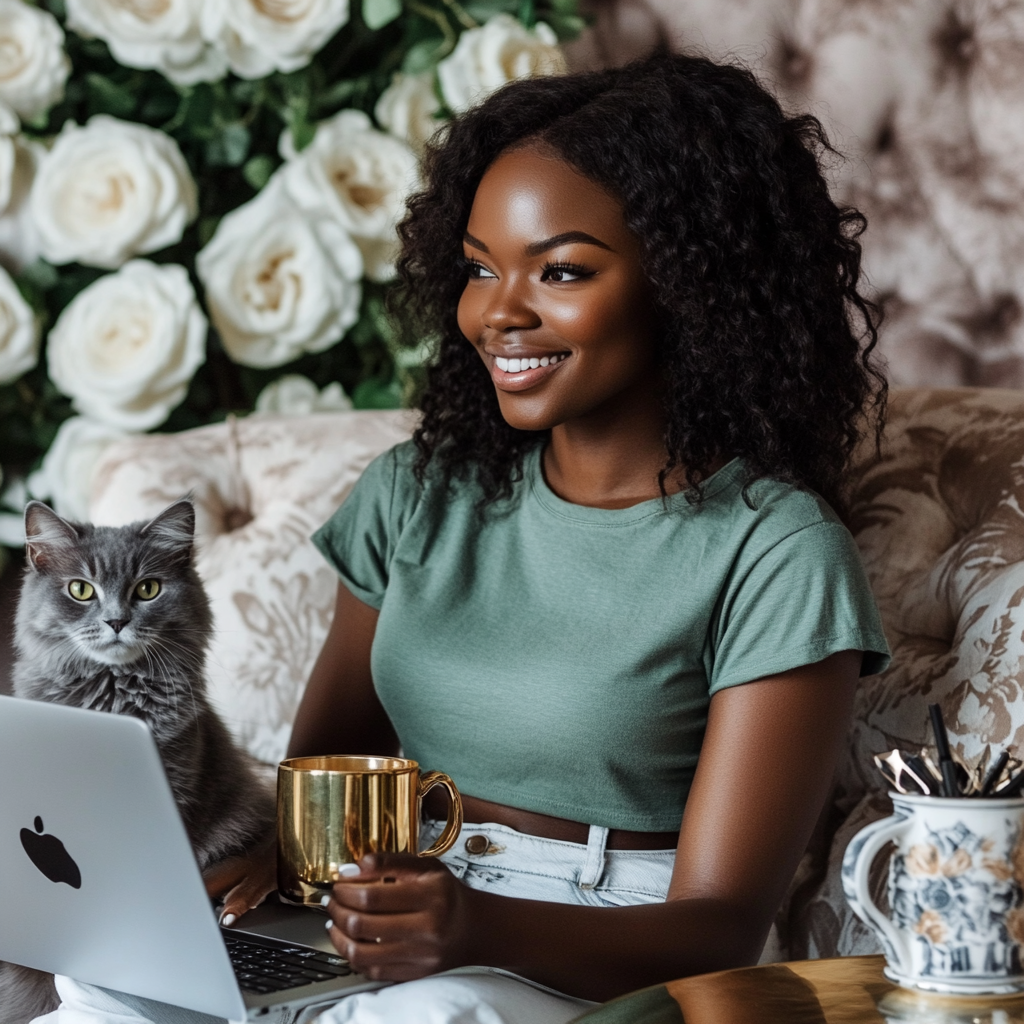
x=524, y=376
x=523, y=379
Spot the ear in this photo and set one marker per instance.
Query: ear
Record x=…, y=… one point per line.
x=175, y=526
x=47, y=536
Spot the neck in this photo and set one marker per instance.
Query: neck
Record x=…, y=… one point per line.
x=612, y=457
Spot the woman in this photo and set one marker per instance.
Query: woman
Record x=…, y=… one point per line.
x=612, y=547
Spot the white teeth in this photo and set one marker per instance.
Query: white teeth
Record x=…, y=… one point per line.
x=518, y=365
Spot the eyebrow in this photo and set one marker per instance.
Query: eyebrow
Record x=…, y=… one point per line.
x=536, y=248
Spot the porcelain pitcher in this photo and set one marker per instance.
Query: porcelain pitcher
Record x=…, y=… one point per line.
x=956, y=920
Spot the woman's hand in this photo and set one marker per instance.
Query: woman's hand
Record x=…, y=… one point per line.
x=243, y=882
x=402, y=917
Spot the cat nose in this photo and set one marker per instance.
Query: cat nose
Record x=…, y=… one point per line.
x=117, y=624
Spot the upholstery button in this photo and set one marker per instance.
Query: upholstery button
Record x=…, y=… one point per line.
x=477, y=844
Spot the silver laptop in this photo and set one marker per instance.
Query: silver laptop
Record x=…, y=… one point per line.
x=98, y=880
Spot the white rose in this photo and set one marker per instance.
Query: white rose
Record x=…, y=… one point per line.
x=279, y=283
x=160, y=34
x=126, y=347
x=295, y=395
x=8, y=160
x=110, y=190
x=19, y=332
x=19, y=239
x=66, y=475
x=259, y=37
x=33, y=64
x=498, y=52
x=408, y=108
x=358, y=176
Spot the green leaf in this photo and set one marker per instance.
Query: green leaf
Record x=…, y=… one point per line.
x=40, y=274
x=482, y=10
x=302, y=132
x=229, y=147
x=197, y=108
x=107, y=97
x=528, y=13
x=378, y=13
x=423, y=56
x=207, y=227
x=258, y=169
x=377, y=394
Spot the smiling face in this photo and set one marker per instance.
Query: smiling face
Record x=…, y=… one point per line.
x=556, y=304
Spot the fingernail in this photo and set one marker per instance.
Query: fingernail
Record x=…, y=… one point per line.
x=329, y=925
x=348, y=870
x=228, y=920
x=325, y=900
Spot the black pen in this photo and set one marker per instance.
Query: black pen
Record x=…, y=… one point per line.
x=992, y=775
x=950, y=782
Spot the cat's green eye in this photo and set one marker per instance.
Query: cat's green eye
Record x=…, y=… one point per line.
x=81, y=590
x=148, y=589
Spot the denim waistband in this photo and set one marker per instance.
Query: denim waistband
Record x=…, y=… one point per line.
x=500, y=859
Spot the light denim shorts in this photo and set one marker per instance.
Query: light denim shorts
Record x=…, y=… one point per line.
x=531, y=868
x=491, y=857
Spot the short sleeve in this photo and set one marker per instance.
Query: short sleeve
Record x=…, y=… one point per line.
x=805, y=598
x=358, y=540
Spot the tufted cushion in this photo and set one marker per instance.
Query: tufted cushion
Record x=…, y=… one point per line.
x=261, y=485
x=939, y=520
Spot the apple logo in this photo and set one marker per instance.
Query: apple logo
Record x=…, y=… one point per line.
x=48, y=854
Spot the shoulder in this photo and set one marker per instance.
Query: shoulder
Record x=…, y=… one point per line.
x=766, y=511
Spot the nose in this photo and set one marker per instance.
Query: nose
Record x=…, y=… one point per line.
x=117, y=624
x=509, y=308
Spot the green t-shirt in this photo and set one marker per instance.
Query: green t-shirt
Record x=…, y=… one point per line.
x=561, y=658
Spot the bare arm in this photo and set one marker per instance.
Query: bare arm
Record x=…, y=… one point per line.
x=764, y=773
x=340, y=712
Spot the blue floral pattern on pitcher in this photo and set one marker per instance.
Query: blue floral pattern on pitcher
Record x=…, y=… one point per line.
x=957, y=897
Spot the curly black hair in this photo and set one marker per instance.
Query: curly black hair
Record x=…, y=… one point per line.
x=766, y=343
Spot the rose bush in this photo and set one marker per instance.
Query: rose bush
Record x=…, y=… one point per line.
x=295, y=395
x=409, y=109
x=19, y=332
x=259, y=156
x=65, y=477
x=33, y=64
x=258, y=38
x=125, y=348
x=165, y=36
x=279, y=283
x=358, y=178
x=488, y=57
x=110, y=190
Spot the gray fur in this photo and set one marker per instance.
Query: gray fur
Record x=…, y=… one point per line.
x=149, y=664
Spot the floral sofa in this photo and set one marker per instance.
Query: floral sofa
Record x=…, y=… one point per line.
x=939, y=519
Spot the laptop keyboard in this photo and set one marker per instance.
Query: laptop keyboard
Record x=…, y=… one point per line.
x=263, y=969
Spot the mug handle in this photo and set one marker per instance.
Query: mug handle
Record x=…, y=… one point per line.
x=428, y=780
x=857, y=862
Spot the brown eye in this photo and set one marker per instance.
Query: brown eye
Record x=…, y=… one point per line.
x=81, y=590
x=148, y=589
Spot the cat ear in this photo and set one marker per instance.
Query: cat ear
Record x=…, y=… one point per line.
x=175, y=526
x=47, y=536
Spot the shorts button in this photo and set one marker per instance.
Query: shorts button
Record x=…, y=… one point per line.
x=477, y=844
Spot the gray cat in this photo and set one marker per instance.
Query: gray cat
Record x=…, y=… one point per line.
x=116, y=619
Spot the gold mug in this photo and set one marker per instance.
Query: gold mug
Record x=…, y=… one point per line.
x=332, y=810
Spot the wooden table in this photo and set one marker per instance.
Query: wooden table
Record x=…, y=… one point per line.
x=849, y=990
